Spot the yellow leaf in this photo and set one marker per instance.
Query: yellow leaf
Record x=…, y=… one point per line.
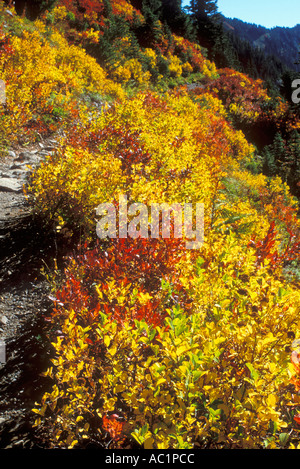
x=271, y=400
x=119, y=388
x=106, y=341
x=148, y=443
x=182, y=349
x=161, y=381
x=144, y=298
x=113, y=350
x=269, y=338
x=74, y=442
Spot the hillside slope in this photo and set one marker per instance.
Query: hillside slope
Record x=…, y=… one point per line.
x=283, y=43
x=156, y=341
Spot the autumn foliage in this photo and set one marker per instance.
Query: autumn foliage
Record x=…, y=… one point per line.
x=155, y=345
x=131, y=309
x=43, y=99
x=124, y=281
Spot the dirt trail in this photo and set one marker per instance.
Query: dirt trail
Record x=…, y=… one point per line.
x=23, y=302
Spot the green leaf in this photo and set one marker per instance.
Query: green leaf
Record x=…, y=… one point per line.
x=283, y=438
x=254, y=373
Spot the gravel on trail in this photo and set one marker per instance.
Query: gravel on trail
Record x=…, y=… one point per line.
x=24, y=348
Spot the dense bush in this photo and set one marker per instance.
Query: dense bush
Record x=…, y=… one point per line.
x=156, y=345
x=42, y=99
x=217, y=323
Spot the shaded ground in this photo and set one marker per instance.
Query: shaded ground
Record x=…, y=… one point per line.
x=24, y=247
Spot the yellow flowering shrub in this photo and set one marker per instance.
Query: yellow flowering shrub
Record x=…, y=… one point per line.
x=173, y=130
x=196, y=62
x=124, y=8
x=59, y=13
x=211, y=379
x=155, y=345
x=187, y=68
x=175, y=65
x=34, y=90
x=120, y=73
x=69, y=185
x=136, y=71
x=209, y=369
x=150, y=53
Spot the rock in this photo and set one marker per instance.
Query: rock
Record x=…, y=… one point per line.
x=4, y=320
x=27, y=156
x=12, y=154
x=18, y=165
x=50, y=148
x=10, y=185
x=20, y=173
x=19, y=443
x=20, y=169
x=22, y=156
x=22, y=165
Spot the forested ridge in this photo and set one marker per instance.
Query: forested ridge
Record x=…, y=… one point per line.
x=152, y=345
x=280, y=42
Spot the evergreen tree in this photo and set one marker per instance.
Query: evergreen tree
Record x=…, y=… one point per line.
x=204, y=11
x=148, y=33
x=105, y=51
x=205, y=16
x=174, y=16
x=294, y=163
x=32, y=8
x=269, y=163
x=282, y=158
x=151, y=10
x=171, y=9
x=223, y=52
x=138, y=4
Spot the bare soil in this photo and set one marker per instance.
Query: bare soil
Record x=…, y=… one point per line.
x=24, y=247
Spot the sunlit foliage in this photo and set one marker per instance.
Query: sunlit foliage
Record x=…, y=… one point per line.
x=155, y=345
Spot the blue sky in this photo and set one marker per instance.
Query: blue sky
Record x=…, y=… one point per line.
x=268, y=13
